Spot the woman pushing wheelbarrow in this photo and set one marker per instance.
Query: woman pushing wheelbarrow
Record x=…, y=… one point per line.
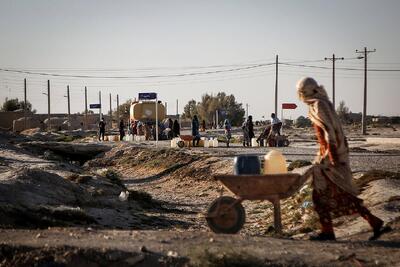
x=333, y=189
x=332, y=181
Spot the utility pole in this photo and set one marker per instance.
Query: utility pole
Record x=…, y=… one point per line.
x=364, y=114
x=117, y=108
x=110, y=113
x=276, y=85
x=177, y=112
x=69, y=106
x=86, y=110
x=100, y=115
x=166, y=110
x=48, y=104
x=333, y=58
x=25, y=105
x=247, y=111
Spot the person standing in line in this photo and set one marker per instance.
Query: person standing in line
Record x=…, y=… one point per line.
x=121, y=130
x=248, y=131
x=170, y=126
x=176, y=129
x=333, y=190
x=203, y=125
x=195, y=131
x=245, y=134
x=228, y=129
x=102, y=129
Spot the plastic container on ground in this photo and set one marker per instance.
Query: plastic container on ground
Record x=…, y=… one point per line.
x=215, y=142
x=274, y=163
x=254, y=142
x=173, y=143
x=206, y=143
x=246, y=164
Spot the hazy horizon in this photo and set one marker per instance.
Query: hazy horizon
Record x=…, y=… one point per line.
x=162, y=46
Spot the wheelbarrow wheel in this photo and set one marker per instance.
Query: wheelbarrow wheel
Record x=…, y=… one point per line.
x=226, y=215
x=181, y=143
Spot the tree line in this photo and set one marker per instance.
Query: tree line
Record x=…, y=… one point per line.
x=226, y=106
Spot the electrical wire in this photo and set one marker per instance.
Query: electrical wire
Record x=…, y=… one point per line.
x=339, y=68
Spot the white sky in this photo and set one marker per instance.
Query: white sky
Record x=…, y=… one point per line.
x=141, y=38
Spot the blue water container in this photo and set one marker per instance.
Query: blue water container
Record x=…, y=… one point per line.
x=246, y=164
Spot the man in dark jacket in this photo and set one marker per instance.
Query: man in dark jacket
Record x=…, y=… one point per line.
x=195, y=131
x=102, y=129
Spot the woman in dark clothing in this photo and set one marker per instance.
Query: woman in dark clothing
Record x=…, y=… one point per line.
x=250, y=127
x=195, y=131
x=121, y=130
x=176, y=129
x=248, y=131
x=170, y=126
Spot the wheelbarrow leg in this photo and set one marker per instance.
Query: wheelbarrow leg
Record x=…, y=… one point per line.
x=277, y=216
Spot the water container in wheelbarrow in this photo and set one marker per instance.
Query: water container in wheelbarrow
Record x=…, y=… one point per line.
x=246, y=164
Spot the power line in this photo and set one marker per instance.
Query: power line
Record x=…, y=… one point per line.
x=326, y=68
x=137, y=77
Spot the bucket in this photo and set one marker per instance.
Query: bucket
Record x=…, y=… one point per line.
x=246, y=164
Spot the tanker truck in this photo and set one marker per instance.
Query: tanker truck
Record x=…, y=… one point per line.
x=144, y=112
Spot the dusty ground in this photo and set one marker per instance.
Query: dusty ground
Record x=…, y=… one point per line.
x=82, y=220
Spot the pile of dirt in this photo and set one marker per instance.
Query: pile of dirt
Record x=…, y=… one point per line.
x=139, y=162
x=374, y=175
x=31, y=198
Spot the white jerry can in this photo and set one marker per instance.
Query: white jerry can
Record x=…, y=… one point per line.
x=254, y=142
x=215, y=142
x=206, y=142
x=274, y=163
x=173, y=143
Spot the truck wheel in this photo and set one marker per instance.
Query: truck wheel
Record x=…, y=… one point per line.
x=224, y=216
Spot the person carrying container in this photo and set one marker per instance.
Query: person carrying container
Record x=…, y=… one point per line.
x=332, y=179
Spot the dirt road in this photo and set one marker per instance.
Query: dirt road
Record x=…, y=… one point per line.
x=165, y=225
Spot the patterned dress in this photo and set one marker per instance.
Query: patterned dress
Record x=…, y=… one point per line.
x=333, y=189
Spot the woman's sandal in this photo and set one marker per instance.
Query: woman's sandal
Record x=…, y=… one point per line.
x=323, y=237
x=378, y=232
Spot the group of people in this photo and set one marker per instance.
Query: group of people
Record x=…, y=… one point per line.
x=142, y=128
x=195, y=126
x=102, y=129
x=173, y=129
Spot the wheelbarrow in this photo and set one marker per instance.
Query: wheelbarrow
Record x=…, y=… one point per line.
x=227, y=215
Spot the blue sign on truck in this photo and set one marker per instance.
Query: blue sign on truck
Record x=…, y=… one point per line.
x=95, y=106
x=147, y=96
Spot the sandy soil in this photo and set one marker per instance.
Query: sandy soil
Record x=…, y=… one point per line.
x=165, y=226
